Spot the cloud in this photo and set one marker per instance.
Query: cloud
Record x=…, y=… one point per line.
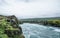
x=30, y=8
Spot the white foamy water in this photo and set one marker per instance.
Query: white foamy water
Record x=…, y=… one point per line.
x=40, y=31
x=57, y=30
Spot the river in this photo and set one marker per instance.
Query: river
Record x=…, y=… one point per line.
x=40, y=31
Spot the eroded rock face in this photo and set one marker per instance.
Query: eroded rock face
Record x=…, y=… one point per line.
x=9, y=25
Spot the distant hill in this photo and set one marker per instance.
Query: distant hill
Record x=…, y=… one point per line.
x=35, y=19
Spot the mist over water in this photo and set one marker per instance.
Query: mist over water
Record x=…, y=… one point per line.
x=40, y=31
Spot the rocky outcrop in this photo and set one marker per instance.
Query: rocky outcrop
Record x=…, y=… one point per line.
x=9, y=26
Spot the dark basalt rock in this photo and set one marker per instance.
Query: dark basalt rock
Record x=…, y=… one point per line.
x=10, y=27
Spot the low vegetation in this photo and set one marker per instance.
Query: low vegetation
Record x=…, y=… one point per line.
x=55, y=23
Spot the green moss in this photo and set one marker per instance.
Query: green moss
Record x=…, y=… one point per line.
x=3, y=36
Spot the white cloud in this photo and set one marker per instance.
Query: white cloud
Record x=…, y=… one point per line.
x=30, y=9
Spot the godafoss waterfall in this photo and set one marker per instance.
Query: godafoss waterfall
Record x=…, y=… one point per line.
x=40, y=31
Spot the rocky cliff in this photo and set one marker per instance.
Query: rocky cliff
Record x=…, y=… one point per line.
x=9, y=27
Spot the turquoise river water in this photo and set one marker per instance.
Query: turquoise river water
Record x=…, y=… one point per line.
x=40, y=31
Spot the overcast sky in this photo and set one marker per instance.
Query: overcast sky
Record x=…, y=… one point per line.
x=30, y=8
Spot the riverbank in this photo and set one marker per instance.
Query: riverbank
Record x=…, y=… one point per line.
x=55, y=22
